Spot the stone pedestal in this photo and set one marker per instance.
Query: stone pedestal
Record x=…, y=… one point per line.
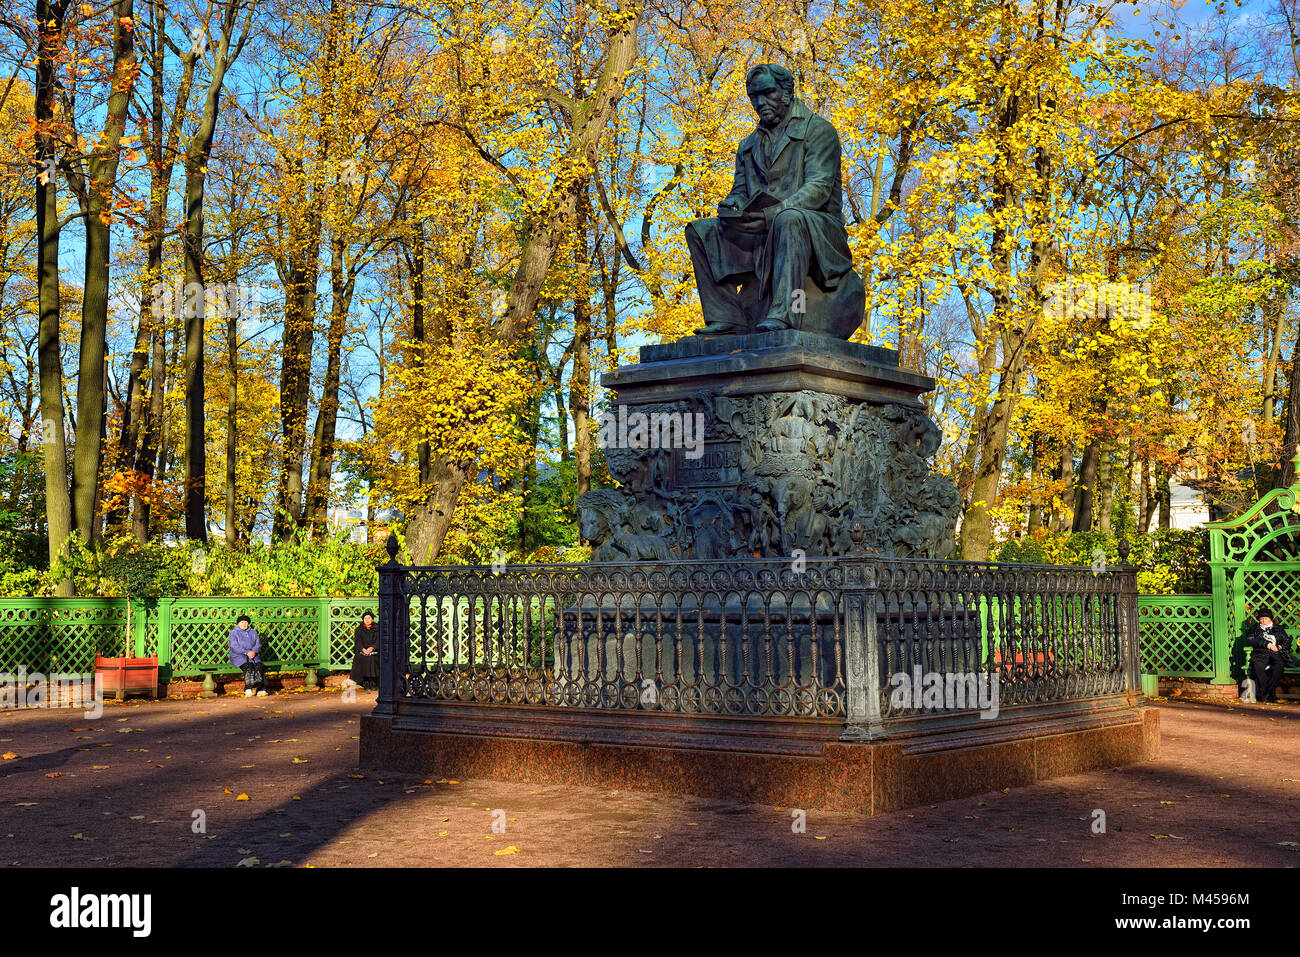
x=768, y=445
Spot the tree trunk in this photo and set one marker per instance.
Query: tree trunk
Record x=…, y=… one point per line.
x=196, y=171
x=1275, y=306
x=151, y=432
x=100, y=187
x=561, y=422
x=430, y=520
x=977, y=522
x=419, y=334
x=58, y=502
x=195, y=315
x=163, y=138
x=1146, y=503
x=1105, y=486
x=323, y=440
x=295, y=391
x=1065, y=474
x=1088, y=468
x=1291, y=439
x=1035, y=519
x=1162, y=493
x=580, y=382
x=232, y=424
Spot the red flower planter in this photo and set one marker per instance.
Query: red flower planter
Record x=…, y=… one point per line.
x=126, y=675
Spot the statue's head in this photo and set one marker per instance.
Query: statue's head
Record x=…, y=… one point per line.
x=770, y=87
x=600, y=512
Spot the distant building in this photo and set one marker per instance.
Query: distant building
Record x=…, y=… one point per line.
x=1187, y=508
x=353, y=519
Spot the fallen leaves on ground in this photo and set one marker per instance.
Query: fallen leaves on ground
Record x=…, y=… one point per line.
x=506, y=850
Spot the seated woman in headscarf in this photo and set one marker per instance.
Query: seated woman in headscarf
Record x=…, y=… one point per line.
x=246, y=655
x=365, y=655
x=1271, y=653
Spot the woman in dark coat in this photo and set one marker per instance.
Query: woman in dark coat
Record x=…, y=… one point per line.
x=365, y=656
x=1271, y=653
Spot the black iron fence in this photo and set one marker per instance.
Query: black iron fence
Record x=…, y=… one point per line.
x=858, y=639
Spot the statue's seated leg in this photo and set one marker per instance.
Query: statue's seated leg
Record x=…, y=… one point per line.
x=752, y=303
x=791, y=246
x=722, y=262
x=837, y=313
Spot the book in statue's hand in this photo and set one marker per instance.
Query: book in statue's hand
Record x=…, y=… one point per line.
x=757, y=203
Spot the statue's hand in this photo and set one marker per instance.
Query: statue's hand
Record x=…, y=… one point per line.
x=752, y=223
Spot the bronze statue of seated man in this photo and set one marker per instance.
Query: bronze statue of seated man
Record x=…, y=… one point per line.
x=777, y=254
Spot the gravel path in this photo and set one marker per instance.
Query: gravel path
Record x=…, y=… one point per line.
x=276, y=781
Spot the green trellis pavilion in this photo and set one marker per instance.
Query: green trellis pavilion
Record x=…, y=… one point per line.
x=1254, y=562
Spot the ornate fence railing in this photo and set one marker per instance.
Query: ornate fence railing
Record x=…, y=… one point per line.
x=819, y=638
x=63, y=635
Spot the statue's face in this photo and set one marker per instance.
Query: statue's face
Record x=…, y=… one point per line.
x=770, y=102
x=590, y=524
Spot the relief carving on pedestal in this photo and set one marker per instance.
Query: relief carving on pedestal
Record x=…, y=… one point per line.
x=776, y=473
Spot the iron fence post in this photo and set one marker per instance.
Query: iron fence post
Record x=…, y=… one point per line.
x=863, y=721
x=392, y=630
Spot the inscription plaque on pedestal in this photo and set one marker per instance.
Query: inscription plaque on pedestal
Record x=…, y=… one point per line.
x=718, y=467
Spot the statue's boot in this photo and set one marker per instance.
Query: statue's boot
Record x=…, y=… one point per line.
x=717, y=328
x=772, y=325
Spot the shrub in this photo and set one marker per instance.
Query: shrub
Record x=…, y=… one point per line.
x=1169, y=561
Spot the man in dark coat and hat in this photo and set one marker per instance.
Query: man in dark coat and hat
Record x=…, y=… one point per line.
x=779, y=234
x=1271, y=653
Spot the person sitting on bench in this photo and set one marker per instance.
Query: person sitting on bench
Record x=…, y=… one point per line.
x=1272, y=651
x=246, y=655
x=365, y=657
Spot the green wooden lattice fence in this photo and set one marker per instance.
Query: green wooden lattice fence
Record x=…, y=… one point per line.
x=63, y=635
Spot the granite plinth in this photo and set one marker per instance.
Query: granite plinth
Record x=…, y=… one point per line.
x=692, y=347
x=786, y=361
x=791, y=763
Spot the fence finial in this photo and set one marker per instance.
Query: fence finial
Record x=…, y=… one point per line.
x=391, y=547
x=1124, y=549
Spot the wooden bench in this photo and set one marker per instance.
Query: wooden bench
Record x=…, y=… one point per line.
x=1247, y=671
x=311, y=681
